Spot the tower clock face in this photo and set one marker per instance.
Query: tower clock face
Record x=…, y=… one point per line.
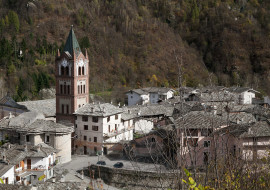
x=64, y=63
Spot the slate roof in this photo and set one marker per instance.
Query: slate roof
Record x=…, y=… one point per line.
x=219, y=96
x=147, y=111
x=4, y=168
x=199, y=119
x=15, y=153
x=258, y=129
x=9, y=102
x=145, y=91
x=32, y=122
x=46, y=126
x=72, y=44
x=100, y=110
x=46, y=107
x=241, y=117
x=239, y=89
x=236, y=130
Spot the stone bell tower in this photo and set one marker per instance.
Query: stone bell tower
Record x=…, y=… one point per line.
x=71, y=74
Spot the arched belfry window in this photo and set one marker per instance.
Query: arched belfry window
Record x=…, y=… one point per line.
x=80, y=71
x=62, y=70
x=67, y=71
x=83, y=70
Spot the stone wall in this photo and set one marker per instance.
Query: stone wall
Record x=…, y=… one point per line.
x=135, y=179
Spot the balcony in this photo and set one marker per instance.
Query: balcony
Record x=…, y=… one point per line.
x=114, y=133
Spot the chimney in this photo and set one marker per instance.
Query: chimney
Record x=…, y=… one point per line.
x=92, y=109
x=58, y=53
x=4, y=158
x=25, y=147
x=9, y=146
x=128, y=111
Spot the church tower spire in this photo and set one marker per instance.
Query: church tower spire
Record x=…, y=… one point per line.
x=71, y=73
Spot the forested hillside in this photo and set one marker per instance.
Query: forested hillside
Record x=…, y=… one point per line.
x=137, y=43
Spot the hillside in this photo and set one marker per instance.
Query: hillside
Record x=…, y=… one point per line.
x=137, y=43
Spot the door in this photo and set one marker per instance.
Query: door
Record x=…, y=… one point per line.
x=105, y=150
x=6, y=180
x=22, y=165
x=85, y=150
x=29, y=164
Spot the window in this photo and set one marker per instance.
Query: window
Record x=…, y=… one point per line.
x=85, y=127
x=115, y=127
x=95, y=128
x=62, y=70
x=153, y=140
x=68, y=89
x=76, y=126
x=109, y=128
x=67, y=70
x=131, y=96
x=84, y=138
x=47, y=138
x=116, y=116
x=83, y=88
x=206, y=144
x=65, y=89
x=94, y=119
x=27, y=138
x=67, y=109
x=89, y=139
x=95, y=149
x=95, y=139
x=205, y=158
x=108, y=119
x=84, y=118
x=80, y=71
x=78, y=89
x=61, y=89
x=191, y=142
x=63, y=108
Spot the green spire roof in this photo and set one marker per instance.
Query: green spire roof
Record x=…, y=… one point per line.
x=72, y=44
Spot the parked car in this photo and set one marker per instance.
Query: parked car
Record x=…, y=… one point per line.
x=101, y=163
x=118, y=165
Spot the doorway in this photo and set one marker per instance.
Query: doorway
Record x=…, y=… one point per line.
x=105, y=150
x=84, y=150
x=29, y=164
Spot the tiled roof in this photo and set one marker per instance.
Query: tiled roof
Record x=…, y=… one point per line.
x=200, y=119
x=258, y=129
x=146, y=111
x=46, y=126
x=46, y=107
x=72, y=44
x=8, y=101
x=145, y=91
x=100, y=110
x=32, y=122
x=15, y=153
x=238, y=89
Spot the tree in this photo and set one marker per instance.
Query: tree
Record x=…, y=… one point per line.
x=14, y=20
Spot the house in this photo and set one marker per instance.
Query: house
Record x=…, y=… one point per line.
x=147, y=117
x=245, y=94
x=248, y=142
x=99, y=127
x=30, y=128
x=194, y=133
x=7, y=173
x=150, y=95
x=30, y=164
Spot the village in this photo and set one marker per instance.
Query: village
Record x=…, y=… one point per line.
x=159, y=129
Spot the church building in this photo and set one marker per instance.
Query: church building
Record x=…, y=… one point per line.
x=71, y=74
